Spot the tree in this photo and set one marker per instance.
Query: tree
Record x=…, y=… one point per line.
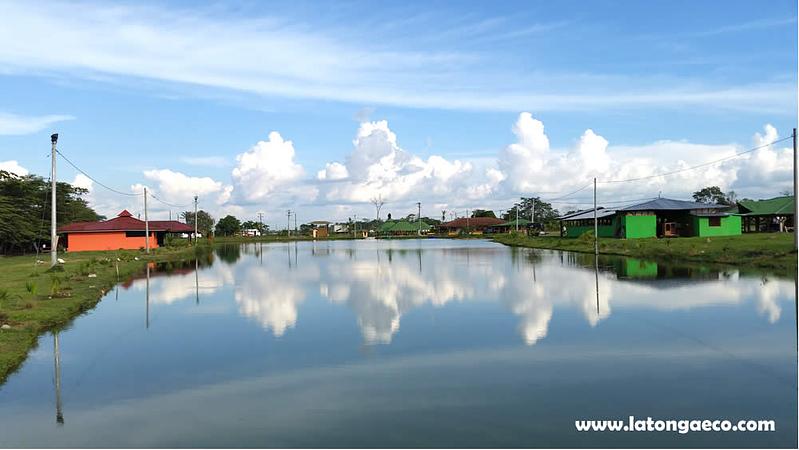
x=483, y=213
x=204, y=223
x=715, y=196
x=544, y=213
x=378, y=202
x=25, y=210
x=227, y=226
x=253, y=225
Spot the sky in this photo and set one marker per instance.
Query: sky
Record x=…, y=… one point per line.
x=320, y=107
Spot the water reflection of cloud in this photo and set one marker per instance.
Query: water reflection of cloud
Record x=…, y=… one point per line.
x=380, y=290
x=269, y=298
x=175, y=287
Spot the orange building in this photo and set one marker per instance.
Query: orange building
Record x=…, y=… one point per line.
x=121, y=232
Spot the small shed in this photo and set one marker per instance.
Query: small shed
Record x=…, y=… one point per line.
x=774, y=214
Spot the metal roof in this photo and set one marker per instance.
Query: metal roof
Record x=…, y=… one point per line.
x=777, y=205
x=575, y=213
x=668, y=204
x=600, y=213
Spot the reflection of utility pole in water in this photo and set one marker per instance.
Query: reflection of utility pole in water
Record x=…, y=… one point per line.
x=288, y=253
x=59, y=415
x=596, y=278
x=147, y=299
x=197, y=281
x=261, y=252
x=295, y=255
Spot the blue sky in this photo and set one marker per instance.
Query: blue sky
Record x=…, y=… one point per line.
x=135, y=88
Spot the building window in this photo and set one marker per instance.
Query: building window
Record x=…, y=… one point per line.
x=135, y=234
x=714, y=221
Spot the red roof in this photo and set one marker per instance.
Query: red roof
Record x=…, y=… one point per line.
x=172, y=226
x=474, y=222
x=126, y=222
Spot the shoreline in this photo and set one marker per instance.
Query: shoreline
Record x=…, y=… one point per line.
x=763, y=251
x=35, y=300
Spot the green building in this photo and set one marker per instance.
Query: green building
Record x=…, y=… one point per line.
x=402, y=228
x=774, y=214
x=660, y=217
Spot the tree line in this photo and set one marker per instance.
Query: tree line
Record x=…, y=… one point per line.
x=25, y=211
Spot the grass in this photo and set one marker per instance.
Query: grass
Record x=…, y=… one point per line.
x=772, y=251
x=35, y=299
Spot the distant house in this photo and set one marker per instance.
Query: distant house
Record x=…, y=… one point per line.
x=472, y=225
x=320, y=229
x=121, y=232
x=403, y=228
x=512, y=225
x=251, y=232
x=660, y=217
x=774, y=214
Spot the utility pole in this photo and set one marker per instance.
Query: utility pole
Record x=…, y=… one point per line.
x=517, y=216
x=53, y=234
x=195, y=220
x=596, y=225
x=261, y=221
x=419, y=217
x=295, y=223
x=146, y=225
x=795, y=205
x=288, y=223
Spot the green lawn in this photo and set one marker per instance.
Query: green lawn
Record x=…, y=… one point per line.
x=773, y=251
x=34, y=299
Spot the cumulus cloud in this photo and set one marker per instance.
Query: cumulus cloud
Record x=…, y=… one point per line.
x=181, y=188
x=269, y=168
x=377, y=165
x=13, y=124
x=14, y=167
x=333, y=171
x=531, y=167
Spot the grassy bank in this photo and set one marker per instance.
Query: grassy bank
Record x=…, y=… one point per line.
x=772, y=251
x=35, y=299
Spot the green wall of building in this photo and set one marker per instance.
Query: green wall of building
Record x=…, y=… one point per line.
x=639, y=226
x=604, y=230
x=730, y=226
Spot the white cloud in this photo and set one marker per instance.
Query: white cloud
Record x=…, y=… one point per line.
x=333, y=171
x=14, y=167
x=176, y=187
x=268, y=168
x=378, y=166
x=273, y=56
x=531, y=167
x=13, y=124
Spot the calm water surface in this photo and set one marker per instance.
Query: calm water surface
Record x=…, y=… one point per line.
x=407, y=344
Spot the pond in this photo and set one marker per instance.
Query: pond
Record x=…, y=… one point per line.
x=412, y=343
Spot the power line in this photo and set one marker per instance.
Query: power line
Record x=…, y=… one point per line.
x=567, y=195
x=93, y=179
x=169, y=204
x=699, y=165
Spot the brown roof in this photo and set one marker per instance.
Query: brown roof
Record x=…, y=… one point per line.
x=172, y=226
x=474, y=222
x=126, y=222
